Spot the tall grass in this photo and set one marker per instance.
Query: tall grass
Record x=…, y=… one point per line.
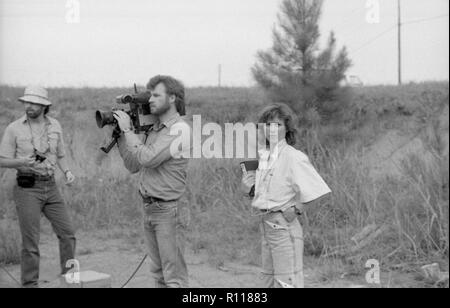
x=412, y=206
x=9, y=242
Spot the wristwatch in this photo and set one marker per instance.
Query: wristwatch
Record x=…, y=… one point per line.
x=127, y=130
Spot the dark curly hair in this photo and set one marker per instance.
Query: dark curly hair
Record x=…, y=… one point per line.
x=173, y=87
x=285, y=113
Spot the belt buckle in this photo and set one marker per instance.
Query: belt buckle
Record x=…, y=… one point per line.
x=150, y=200
x=153, y=200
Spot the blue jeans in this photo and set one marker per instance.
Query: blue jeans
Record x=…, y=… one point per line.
x=164, y=236
x=44, y=198
x=282, y=251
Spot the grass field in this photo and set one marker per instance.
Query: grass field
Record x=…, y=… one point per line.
x=409, y=209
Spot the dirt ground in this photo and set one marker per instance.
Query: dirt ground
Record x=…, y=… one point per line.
x=120, y=257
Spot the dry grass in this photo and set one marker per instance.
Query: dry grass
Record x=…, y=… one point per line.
x=9, y=242
x=414, y=207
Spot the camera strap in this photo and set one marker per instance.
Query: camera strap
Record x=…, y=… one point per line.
x=32, y=136
x=147, y=132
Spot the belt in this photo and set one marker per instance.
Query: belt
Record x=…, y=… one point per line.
x=37, y=177
x=44, y=178
x=277, y=211
x=270, y=211
x=151, y=200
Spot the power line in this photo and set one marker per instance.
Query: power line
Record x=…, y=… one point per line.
x=393, y=27
x=374, y=39
x=424, y=19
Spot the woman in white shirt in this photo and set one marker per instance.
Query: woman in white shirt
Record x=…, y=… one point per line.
x=284, y=181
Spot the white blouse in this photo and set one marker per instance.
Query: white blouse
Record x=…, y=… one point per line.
x=284, y=177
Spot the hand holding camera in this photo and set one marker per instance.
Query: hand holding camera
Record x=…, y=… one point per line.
x=123, y=120
x=27, y=162
x=138, y=114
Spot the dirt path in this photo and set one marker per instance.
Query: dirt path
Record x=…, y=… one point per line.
x=120, y=257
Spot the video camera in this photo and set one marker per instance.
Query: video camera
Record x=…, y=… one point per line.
x=139, y=113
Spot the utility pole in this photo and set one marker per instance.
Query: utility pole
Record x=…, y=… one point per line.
x=220, y=75
x=399, y=43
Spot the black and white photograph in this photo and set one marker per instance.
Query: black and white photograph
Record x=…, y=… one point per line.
x=224, y=148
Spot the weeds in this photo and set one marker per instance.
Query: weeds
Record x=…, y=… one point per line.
x=413, y=206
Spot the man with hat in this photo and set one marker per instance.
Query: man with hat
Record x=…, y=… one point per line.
x=34, y=146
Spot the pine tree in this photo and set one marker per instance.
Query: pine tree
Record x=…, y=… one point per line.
x=295, y=71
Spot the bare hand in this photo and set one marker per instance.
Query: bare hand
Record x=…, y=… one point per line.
x=290, y=214
x=70, y=178
x=123, y=120
x=248, y=180
x=28, y=162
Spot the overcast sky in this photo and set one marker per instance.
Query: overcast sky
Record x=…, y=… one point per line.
x=118, y=42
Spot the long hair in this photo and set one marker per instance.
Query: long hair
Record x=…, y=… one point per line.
x=173, y=87
x=284, y=113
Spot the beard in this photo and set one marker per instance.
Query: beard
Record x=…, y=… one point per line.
x=34, y=114
x=162, y=109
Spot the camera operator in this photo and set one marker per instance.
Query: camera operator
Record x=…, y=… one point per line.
x=162, y=179
x=34, y=146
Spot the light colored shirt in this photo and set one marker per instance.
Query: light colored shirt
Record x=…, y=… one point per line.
x=284, y=177
x=162, y=174
x=19, y=141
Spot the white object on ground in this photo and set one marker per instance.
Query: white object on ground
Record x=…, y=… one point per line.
x=86, y=279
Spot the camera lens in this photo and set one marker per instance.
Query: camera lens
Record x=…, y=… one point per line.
x=104, y=118
x=124, y=99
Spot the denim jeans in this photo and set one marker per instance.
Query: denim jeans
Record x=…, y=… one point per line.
x=164, y=234
x=43, y=198
x=282, y=251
